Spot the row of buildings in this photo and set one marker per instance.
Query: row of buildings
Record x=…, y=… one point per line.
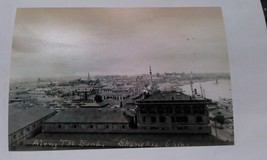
x=26, y=124
x=110, y=106
x=157, y=113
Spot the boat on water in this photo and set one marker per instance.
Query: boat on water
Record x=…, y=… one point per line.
x=225, y=103
x=216, y=81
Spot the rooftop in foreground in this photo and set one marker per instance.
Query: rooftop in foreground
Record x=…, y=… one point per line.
x=171, y=96
x=104, y=115
x=21, y=119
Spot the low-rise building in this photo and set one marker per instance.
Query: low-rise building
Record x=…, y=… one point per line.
x=173, y=112
x=87, y=120
x=26, y=124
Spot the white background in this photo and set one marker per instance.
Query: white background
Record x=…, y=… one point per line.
x=247, y=45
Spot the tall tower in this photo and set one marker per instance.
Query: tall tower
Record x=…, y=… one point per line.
x=88, y=78
x=150, y=72
x=191, y=84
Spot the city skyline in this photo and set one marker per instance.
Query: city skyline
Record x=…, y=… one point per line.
x=121, y=41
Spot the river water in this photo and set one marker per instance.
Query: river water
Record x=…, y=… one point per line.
x=212, y=90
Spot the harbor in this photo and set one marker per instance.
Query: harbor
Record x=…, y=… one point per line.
x=220, y=92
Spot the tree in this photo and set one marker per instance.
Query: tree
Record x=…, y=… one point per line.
x=220, y=119
x=98, y=98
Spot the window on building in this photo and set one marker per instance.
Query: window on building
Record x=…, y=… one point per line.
x=74, y=126
x=123, y=126
x=160, y=109
x=173, y=119
x=180, y=128
x=169, y=109
x=178, y=109
x=151, y=109
x=199, y=110
x=91, y=126
x=107, y=126
x=14, y=136
x=185, y=119
x=182, y=119
x=199, y=119
x=153, y=119
x=195, y=110
x=143, y=109
x=162, y=119
x=202, y=109
x=144, y=119
x=179, y=119
x=21, y=132
x=187, y=109
x=59, y=126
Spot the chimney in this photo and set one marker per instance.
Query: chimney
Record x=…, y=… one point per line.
x=85, y=96
x=191, y=84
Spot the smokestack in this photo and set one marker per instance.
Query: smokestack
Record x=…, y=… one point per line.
x=85, y=96
x=88, y=78
x=191, y=84
x=151, y=82
x=150, y=72
x=201, y=90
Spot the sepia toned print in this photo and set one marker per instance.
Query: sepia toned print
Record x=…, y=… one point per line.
x=84, y=78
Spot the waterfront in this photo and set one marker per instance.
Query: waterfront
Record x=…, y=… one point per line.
x=220, y=92
x=75, y=91
x=212, y=90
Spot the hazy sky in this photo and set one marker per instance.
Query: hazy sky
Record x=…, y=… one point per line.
x=67, y=42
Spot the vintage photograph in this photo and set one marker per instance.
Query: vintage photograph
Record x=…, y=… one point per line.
x=100, y=78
